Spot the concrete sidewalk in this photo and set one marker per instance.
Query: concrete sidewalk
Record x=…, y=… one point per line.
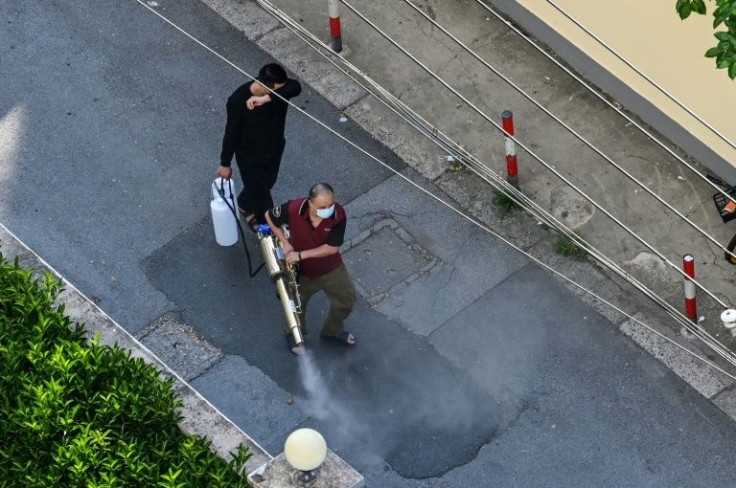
x=628, y=201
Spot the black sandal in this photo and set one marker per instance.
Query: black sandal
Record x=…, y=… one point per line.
x=342, y=338
x=252, y=223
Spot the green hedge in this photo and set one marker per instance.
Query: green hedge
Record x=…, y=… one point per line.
x=74, y=414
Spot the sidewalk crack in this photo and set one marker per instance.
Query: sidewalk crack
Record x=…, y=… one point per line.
x=469, y=305
x=354, y=103
x=269, y=31
x=208, y=368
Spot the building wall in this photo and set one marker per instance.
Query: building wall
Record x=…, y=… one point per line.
x=651, y=37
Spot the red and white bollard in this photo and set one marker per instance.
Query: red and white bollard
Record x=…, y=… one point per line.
x=335, y=32
x=512, y=167
x=691, y=309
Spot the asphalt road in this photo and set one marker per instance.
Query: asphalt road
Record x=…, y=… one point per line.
x=474, y=367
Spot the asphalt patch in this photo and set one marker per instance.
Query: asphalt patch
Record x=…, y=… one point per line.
x=412, y=407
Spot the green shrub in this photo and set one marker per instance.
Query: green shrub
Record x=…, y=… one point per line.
x=505, y=203
x=566, y=247
x=74, y=414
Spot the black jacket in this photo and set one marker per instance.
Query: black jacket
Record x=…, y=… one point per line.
x=255, y=134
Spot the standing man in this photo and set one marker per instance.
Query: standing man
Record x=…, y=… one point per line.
x=317, y=230
x=255, y=134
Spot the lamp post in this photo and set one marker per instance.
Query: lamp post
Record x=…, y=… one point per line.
x=305, y=451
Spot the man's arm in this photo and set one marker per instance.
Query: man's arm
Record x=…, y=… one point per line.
x=334, y=240
x=332, y=246
x=291, y=89
x=275, y=224
x=293, y=256
x=229, y=140
x=319, y=252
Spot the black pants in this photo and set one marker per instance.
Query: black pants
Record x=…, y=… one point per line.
x=259, y=177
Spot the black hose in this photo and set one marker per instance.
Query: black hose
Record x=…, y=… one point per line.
x=221, y=191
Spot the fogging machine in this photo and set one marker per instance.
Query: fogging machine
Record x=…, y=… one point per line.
x=284, y=275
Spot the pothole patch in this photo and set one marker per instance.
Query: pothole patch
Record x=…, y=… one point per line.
x=570, y=208
x=649, y=269
x=385, y=258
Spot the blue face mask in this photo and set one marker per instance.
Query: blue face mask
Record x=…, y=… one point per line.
x=325, y=213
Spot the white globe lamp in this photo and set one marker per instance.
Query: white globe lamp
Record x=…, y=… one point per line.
x=305, y=450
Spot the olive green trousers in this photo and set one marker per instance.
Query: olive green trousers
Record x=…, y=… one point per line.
x=340, y=290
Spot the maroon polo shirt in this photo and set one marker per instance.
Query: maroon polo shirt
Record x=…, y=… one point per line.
x=305, y=236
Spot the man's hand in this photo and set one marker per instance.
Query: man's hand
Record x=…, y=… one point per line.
x=292, y=257
x=224, y=172
x=257, y=101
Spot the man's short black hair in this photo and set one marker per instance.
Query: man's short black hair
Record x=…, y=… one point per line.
x=272, y=74
x=320, y=189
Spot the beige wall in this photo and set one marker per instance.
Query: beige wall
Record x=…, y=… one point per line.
x=650, y=35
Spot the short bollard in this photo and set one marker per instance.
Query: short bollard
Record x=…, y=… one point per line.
x=335, y=30
x=512, y=167
x=728, y=317
x=691, y=308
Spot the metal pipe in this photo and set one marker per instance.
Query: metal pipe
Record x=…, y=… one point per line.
x=290, y=311
x=273, y=266
x=285, y=281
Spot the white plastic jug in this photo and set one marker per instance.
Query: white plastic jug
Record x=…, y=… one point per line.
x=228, y=188
x=226, y=227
